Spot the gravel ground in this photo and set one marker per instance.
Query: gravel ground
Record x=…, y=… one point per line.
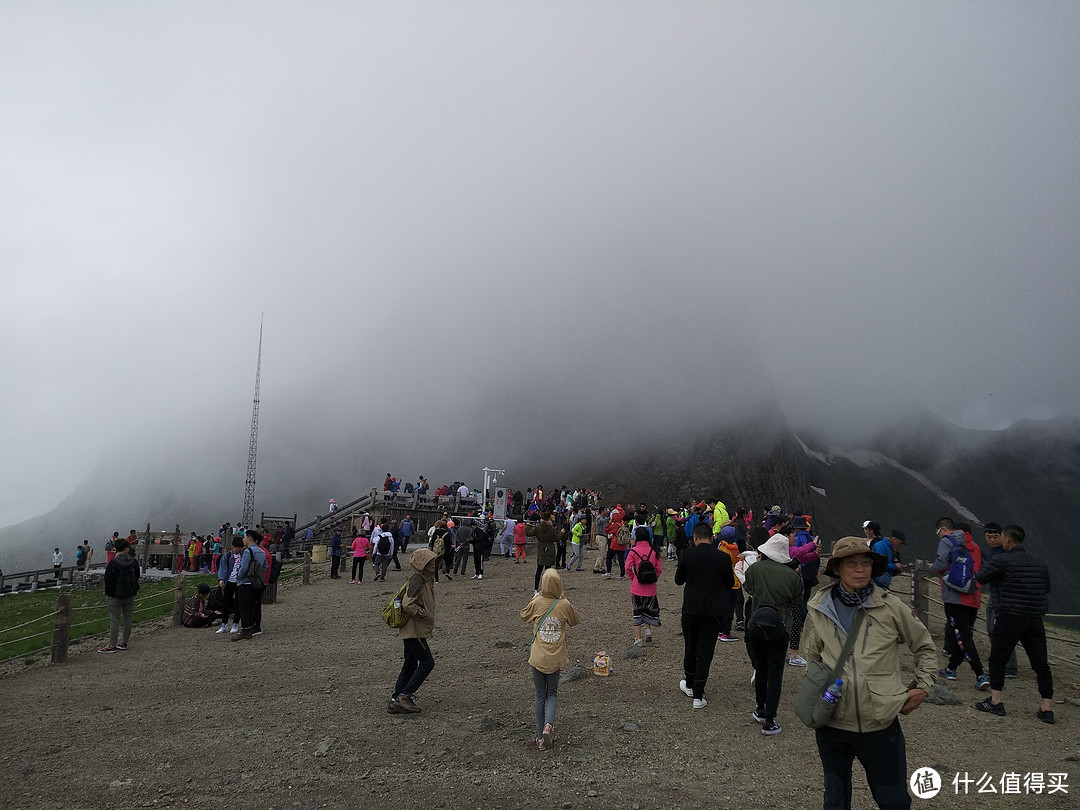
x=297, y=717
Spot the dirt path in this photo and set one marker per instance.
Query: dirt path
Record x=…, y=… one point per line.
x=297, y=717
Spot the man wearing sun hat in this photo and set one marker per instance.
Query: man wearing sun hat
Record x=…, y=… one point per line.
x=866, y=722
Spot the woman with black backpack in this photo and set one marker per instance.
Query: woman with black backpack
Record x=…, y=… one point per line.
x=644, y=566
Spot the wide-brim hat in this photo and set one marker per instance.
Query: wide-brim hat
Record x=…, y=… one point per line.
x=776, y=549
x=851, y=547
x=671, y=512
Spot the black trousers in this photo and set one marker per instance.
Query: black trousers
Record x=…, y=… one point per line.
x=767, y=658
x=478, y=560
x=883, y=755
x=1028, y=631
x=417, y=666
x=959, y=620
x=250, y=607
x=699, y=645
x=358, y=565
x=560, y=556
x=335, y=564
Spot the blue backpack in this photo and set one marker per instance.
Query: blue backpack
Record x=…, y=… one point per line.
x=961, y=574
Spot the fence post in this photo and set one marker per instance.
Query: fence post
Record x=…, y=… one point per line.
x=178, y=600
x=307, y=567
x=920, y=602
x=61, y=629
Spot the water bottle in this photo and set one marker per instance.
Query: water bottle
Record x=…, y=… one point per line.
x=832, y=694
x=397, y=606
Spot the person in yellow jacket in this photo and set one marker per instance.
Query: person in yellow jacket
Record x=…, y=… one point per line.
x=875, y=691
x=550, y=613
x=720, y=517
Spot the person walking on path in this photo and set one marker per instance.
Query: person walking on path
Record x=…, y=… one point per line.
x=121, y=585
x=992, y=533
x=707, y=575
x=961, y=609
x=544, y=532
x=360, y=546
x=775, y=587
x=646, y=607
x=418, y=603
x=550, y=613
x=1023, y=588
x=865, y=724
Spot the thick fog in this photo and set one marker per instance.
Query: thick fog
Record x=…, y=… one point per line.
x=596, y=220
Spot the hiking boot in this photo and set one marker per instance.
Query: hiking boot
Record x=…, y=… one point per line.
x=396, y=708
x=770, y=729
x=686, y=690
x=991, y=708
x=758, y=716
x=110, y=648
x=796, y=661
x=1047, y=716
x=243, y=635
x=408, y=702
x=982, y=682
x=700, y=703
x=947, y=674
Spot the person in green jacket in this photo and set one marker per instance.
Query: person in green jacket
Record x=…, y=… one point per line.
x=544, y=532
x=775, y=587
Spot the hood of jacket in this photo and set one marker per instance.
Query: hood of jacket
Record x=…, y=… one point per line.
x=551, y=584
x=125, y=560
x=420, y=560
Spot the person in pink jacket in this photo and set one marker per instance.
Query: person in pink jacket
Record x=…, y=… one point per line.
x=360, y=548
x=643, y=594
x=803, y=555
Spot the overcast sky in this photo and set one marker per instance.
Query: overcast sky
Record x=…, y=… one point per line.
x=863, y=206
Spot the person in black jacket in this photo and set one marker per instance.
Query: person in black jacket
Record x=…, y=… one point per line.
x=1022, y=583
x=121, y=585
x=708, y=576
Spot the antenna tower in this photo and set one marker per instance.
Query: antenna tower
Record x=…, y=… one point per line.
x=249, y=484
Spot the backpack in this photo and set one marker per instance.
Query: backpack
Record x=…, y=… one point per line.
x=961, y=574
x=383, y=549
x=766, y=624
x=127, y=582
x=392, y=613
x=646, y=571
x=256, y=573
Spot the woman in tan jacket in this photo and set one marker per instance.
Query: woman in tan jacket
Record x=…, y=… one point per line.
x=419, y=607
x=550, y=613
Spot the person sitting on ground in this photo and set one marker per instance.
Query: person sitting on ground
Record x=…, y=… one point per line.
x=196, y=613
x=215, y=604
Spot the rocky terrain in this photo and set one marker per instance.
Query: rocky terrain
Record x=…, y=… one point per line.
x=297, y=717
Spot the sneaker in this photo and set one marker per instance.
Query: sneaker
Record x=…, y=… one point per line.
x=753, y=676
x=606, y=575
x=474, y=576
x=479, y=576
x=770, y=729
x=408, y=702
x=622, y=579
x=796, y=661
x=648, y=636
x=982, y=682
x=992, y=708
x=448, y=578
x=396, y=708
x=1046, y=716
x=947, y=674
x=740, y=626
x=536, y=593
x=351, y=581
x=1010, y=674
x=107, y=649
x=257, y=631
x=638, y=642
x=121, y=646
x=686, y=690
x=726, y=637
x=758, y=716
x=223, y=629
x=548, y=737
x=235, y=628
x=700, y=703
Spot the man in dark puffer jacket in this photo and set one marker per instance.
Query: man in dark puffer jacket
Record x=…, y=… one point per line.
x=1023, y=584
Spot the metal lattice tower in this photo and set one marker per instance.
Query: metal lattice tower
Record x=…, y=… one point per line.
x=249, y=484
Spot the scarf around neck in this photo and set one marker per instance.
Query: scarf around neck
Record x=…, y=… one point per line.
x=853, y=599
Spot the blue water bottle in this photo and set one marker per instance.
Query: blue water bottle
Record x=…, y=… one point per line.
x=832, y=694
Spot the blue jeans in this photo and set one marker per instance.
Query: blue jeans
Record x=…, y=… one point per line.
x=547, y=697
x=883, y=755
x=418, y=665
